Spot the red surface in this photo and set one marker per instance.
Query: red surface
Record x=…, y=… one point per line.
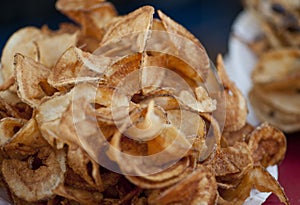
x=289, y=172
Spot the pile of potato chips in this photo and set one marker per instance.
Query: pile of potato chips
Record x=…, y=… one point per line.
x=94, y=113
x=276, y=77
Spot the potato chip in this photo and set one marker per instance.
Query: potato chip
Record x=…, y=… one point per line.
x=9, y=127
x=268, y=145
x=27, y=140
x=191, y=50
x=92, y=15
x=75, y=66
x=236, y=106
x=52, y=47
x=133, y=28
x=258, y=178
x=36, y=178
x=198, y=187
x=22, y=41
x=81, y=196
x=285, y=62
x=84, y=166
x=32, y=91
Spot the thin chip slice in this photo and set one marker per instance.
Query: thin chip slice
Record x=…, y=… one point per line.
x=31, y=79
x=189, y=47
x=199, y=187
x=8, y=128
x=48, y=117
x=76, y=66
x=84, y=166
x=36, y=178
x=257, y=178
x=236, y=106
x=53, y=46
x=92, y=15
x=277, y=65
x=268, y=145
x=129, y=32
x=26, y=141
x=82, y=196
x=21, y=41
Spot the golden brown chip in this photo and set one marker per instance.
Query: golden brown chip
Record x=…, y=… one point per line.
x=268, y=145
x=52, y=47
x=31, y=79
x=277, y=65
x=92, y=15
x=199, y=187
x=284, y=113
x=236, y=106
x=257, y=178
x=48, y=117
x=22, y=41
x=84, y=166
x=188, y=46
x=36, y=178
x=82, y=196
x=26, y=141
x=131, y=31
x=8, y=128
x=75, y=66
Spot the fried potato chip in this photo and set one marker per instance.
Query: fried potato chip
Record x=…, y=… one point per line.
x=22, y=41
x=258, y=178
x=9, y=127
x=92, y=15
x=76, y=66
x=26, y=141
x=82, y=196
x=267, y=145
x=283, y=114
x=52, y=47
x=236, y=106
x=48, y=117
x=198, y=187
x=84, y=166
x=133, y=28
x=32, y=91
x=36, y=178
x=163, y=179
x=277, y=65
x=242, y=135
x=188, y=46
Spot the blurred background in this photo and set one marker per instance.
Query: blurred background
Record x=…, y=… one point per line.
x=209, y=20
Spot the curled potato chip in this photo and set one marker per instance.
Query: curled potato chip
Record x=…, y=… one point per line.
x=36, y=178
x=276, y=113
x=81, y=196
x=236, y=106
x=198, y=187
x=285, y=62
x=268, y=145
x=31, y=91
x=26, y=141
x=22, y=41
x=8, y=128
x=259, y=178
x=52, y=47
x=166, y=178
x=188, y=46
x=84, y=166
x=76, y=66
x=132, y=28
x=48, y=117
x=92, y=15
